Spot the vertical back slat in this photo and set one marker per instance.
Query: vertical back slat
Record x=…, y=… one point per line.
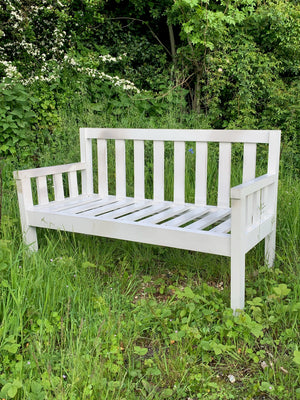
x=73, y=184
x=201, y=174
x=158, y=170
x=273, y=167
x=42, y=189
x=249, y=162
x=120, y=168
x=102, y=167
x=139, y=170
x=224, y=174
x=179, y=172
x=86, y=154
x=58, y=187
x=274, y=152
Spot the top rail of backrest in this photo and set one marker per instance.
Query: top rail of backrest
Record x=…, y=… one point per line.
x=193, y=135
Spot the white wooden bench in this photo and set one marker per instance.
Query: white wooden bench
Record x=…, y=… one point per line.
x=243, y=216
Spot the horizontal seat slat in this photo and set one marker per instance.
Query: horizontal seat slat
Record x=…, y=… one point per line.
x=223, y=227
x=78, y=208
x=68, y=202
x=186, y=217
x=126, y=210
x=169, y=213
x=147, y=212
x=114, y=205
x=211, y=218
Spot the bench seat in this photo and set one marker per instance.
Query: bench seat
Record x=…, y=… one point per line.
x=164, y=223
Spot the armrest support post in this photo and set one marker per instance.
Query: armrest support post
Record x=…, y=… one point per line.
x=238, y=250
x=25, y=201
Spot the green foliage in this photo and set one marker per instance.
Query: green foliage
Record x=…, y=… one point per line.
x=16, y=120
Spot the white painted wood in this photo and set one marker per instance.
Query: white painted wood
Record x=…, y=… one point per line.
x=168, y=213
x=273, y=168
x=249, y=162
x=259, y=232
x=238, y=251
x=79, y=207
x=114, y=205
x=249, y=209
x=58, y=187
x=147, y=212
x=25, y=202
x=253, y=186
x=67, y=203
x=256, y=211
x=190, y=215
x=201, y=173
x=102, y=168
x=186, y=135
x=139, y=170
x=128, y=209
x=270, y=244
x=224, y=174
x=137, y=232
x=42, y=189
x=179, y=172
x=158, y=171
x=120, y=168
x=86, y=154
x=249, y=168
x=274, y=152
x=73, y=185
x=223, y=227
x=209, y=219
x=43, y=171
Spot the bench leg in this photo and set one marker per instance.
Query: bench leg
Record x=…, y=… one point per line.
x=237, y=281
x=30, y=238
x=270, y=248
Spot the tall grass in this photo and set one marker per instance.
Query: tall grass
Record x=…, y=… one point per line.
x=94, y=318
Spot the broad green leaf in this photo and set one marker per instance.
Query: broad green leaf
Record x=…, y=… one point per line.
x=296, y=358
x=282, y=290
x=141, y=351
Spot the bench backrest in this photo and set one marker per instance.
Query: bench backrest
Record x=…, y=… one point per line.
x=181, y=139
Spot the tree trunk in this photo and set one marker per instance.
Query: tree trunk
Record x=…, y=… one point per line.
x=173, y=47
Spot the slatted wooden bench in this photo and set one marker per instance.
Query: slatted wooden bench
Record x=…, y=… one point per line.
x=242, y=216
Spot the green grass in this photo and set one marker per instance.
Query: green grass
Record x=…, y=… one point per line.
x=93, y=318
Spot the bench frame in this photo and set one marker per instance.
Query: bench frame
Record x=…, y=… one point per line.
x=253, y=203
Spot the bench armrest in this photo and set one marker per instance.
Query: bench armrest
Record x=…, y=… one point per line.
x=245, y=189
x=40, y=175
x=44, y=171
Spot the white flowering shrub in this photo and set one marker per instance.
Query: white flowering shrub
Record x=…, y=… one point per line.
x=37, y=37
